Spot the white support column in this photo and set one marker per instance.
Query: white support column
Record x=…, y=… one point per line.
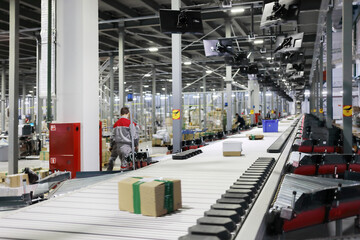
x=77, y=73
x=142, y=123
x=228, y=79
x=32, y=106
x=176, y=82
x=264, y=102
x=153, y=99
x=13, y=153
x=3, y=92
x=205, y=102
x=111, y=90
x=222, y=103
x=329, y=80
x=23, y=107
x=347, y=19
x=121, y=65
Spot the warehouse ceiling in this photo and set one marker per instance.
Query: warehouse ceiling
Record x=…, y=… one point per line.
x=140, y=18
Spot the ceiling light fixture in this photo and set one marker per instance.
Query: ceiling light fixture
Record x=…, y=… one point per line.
x=237, y=10
x=208, y=71
x=153, y=49
x=147, y=75
x=258, y=41
x=187, y=63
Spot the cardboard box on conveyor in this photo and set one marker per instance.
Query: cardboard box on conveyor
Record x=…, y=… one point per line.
x=16, y=180
x=149, y=196
x=232, y=147
x=255, y=136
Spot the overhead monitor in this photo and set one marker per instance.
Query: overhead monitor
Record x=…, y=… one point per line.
x=279, y=12
x=221, y=47
x=184, y=21
x=289, y=43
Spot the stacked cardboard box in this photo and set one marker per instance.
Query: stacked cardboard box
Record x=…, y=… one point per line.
x=16, y=180
x=149, y=196
x=44, y=155
x=43, y=173
x=157, y=142
x=3, y=176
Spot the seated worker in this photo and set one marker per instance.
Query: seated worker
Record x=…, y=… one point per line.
x=260, y=118
x=121, y=139
x=240, y=120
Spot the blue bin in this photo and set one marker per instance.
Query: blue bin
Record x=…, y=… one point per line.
x=270, y=125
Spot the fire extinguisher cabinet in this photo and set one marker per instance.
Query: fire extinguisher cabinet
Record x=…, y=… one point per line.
x=65, y=154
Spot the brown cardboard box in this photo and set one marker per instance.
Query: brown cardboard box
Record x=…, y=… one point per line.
x=105, y=156
x=256, y=136
x=44, y=155
x=3, y=176
x=103, y=144
x=43, y=173
x=152, y=196
x=156, y=142
x=231, y=154
x=16, y=180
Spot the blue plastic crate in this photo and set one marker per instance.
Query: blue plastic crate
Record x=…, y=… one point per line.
x=270, y=125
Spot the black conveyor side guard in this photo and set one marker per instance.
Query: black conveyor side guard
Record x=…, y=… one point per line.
x=279, y=144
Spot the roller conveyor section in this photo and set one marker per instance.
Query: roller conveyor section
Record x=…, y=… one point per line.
x=304, y=201
x=322, y=164
x=214, y=189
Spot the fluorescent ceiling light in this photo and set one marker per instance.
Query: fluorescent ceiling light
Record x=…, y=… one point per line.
x=153, y=49
x=187, y=63
x=146, y=85
x=201, y=87
x=188, y=84
x=196, y=96
x=157, y=93
x=148, y=98
x=258, y=41
x=208, y=71
x=163, y=97
x=224, y=78
x=147, y=75
x=124, y=82
x=324, y=92
x=237, y=10
x=170, y=80
x=233, y=95
x=163, y=89
x=30, y=91
x=269, y=58
x=35, y=87
x=126, y=90
x=268, y=94
x=249, y=55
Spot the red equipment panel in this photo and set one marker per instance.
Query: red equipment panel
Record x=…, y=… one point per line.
x=65, y=147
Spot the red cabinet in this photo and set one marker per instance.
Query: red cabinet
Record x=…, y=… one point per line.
x=65, y=154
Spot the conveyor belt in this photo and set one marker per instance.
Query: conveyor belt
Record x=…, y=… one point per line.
x=92, y=212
